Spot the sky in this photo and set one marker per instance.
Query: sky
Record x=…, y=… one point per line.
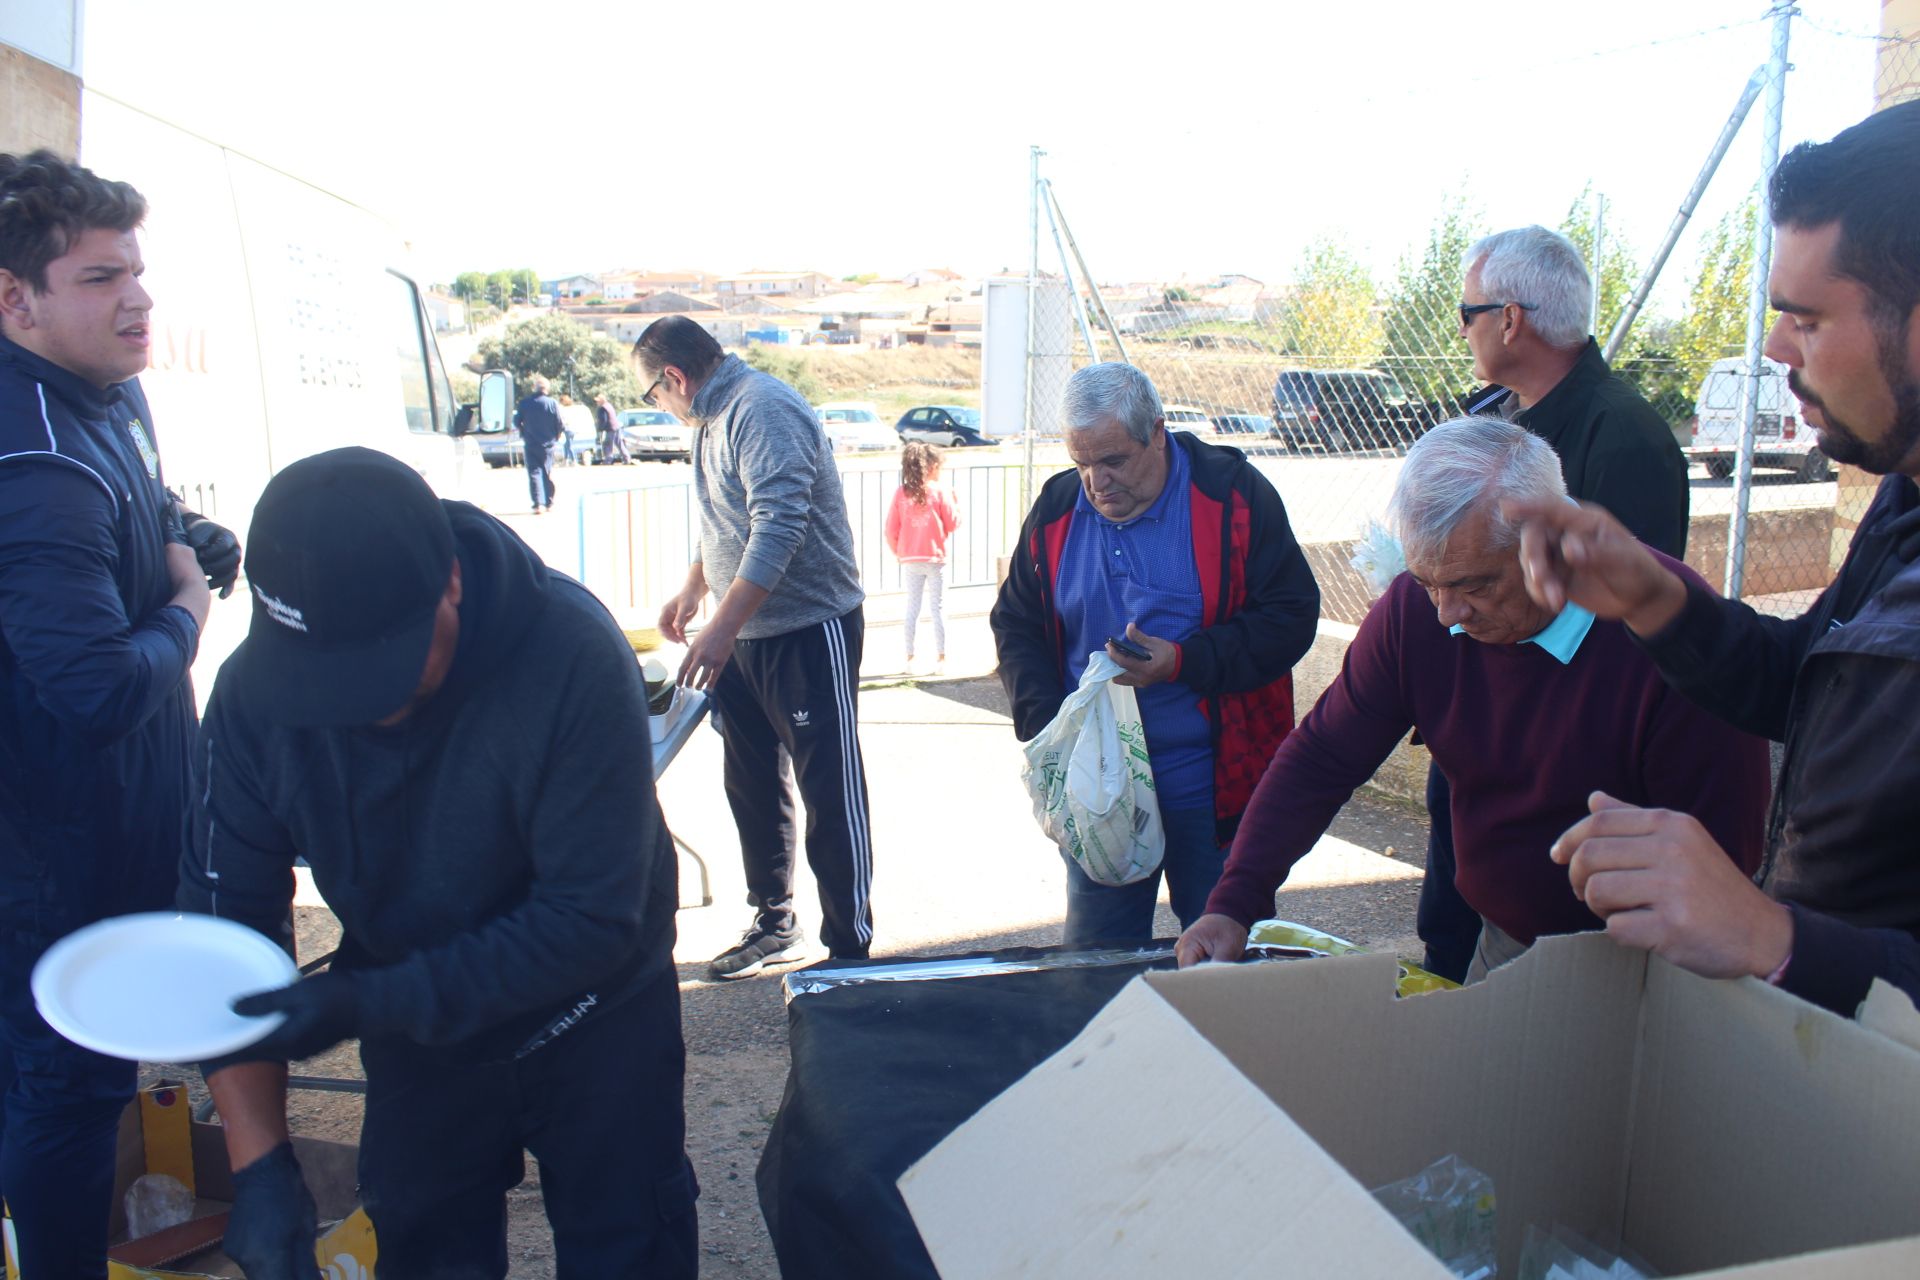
x=1182, y=140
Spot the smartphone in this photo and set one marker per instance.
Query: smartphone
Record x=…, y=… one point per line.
x=1123, y=645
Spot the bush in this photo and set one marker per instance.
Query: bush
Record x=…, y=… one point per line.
x=789, y=366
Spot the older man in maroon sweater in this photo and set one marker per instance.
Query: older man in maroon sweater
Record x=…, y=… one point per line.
x=1526, y=712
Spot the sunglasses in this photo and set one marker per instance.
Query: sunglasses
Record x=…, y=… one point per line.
x=646, y=397
x=1467, y=313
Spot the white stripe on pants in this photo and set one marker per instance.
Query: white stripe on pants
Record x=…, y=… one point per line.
x=929, y=575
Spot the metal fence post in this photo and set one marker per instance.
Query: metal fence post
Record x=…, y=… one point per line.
x=1033, y=306
x=1783, y=12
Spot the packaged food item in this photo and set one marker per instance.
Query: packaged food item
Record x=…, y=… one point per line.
x=1448, y=1207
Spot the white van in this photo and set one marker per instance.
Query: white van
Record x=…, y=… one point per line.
x=1781, y=437
x=285, y=321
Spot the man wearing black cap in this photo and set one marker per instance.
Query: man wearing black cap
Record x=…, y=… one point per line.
x=488, y=835
x=103, y=594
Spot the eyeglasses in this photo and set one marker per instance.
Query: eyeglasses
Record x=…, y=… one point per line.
x=1467, y=313
x=646, y=397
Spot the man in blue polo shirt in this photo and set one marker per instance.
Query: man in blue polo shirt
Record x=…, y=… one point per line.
x=1183, y=548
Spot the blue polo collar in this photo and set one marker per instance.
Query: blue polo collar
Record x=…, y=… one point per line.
x=1562, y=636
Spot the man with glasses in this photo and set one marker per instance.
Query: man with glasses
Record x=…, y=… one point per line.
x=1524, y=309
x=781, y=653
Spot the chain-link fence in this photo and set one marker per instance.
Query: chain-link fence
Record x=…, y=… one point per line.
x=1326, y=378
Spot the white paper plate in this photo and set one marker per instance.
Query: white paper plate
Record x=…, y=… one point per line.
x=158, y=987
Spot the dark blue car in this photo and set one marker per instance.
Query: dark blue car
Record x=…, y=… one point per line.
x=952, y=425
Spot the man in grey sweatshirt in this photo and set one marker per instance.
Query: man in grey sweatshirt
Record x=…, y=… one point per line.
x=781, y=654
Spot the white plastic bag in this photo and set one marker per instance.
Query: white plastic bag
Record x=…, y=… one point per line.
x=1091, y=781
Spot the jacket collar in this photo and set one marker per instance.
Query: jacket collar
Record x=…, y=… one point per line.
x=1590, y=368
x=717, y=390
x=65, y=383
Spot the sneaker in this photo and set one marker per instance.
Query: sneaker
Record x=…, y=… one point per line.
x=758, y=948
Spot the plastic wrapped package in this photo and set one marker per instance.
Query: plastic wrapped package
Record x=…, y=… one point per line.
x=1448, y=1207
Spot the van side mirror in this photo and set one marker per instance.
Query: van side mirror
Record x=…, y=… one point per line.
x=496, y=401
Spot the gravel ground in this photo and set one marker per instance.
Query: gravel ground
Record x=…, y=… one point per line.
x=934, y=750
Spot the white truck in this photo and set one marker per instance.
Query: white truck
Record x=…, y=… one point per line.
x=284, y=320
x=1781, y=436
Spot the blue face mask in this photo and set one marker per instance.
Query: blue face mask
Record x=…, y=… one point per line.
x=1561, y=637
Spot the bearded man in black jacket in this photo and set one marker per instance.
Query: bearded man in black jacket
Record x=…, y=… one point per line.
x=1838, y=899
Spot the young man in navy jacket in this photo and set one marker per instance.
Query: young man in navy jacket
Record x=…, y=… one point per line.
x=103, y=593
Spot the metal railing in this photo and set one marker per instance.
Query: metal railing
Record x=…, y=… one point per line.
x=634, y=544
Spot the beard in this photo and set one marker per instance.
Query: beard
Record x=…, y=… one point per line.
x=1842, y=443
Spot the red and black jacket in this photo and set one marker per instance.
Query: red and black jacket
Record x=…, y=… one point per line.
x=1259, y=609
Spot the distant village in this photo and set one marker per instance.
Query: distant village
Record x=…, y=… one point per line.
x=933, y=308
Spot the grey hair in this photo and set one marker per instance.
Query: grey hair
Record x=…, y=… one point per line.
x=541, y=384
x=1461, y=466
x=1112, y=392
x=1543, y=269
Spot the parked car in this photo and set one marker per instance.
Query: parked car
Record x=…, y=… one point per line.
x=1781, y=437
x=944, y=424
x=1344, y=410
x=500, y=449
x=855, y=426
x=1243, y=424
x=1184, y=417
x=654, y=435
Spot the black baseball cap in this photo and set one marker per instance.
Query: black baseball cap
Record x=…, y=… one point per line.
x=348, y=557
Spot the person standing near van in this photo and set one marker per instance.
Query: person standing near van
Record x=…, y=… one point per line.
x=781, y=654
x=538, y=417
x=920, y=519
x=104, y=592
x=1524, y=309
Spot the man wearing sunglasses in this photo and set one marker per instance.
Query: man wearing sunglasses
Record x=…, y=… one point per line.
x=1524, y=309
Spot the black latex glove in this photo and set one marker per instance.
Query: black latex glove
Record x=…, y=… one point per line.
x=321, y=1012
x=217, y=550
x=271, y=1233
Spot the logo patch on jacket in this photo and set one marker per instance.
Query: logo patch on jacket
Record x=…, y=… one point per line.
x=147, y=453
x=280, y=611
x=801, y=718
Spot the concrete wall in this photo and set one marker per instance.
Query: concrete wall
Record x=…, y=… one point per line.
x=39, y=105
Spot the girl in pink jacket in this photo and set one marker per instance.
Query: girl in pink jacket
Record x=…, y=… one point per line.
x=919, y=521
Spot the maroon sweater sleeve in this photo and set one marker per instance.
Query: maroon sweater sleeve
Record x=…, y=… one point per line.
x=1341, y=743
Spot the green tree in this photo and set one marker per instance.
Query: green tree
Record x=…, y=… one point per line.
x=789, y=366
x=1617, y=272
x=1332, y=319
x=470, y=286
x=543, y=344
x=500, y=288
x=1424, y=349
x=1715, y=324
x=1179, y=294
x=526, y=284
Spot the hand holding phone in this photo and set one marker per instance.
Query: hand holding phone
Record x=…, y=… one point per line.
x=1122, y=645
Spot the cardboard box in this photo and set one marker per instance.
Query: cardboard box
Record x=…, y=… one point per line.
x=1227, y=1121
x=159, y=1135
